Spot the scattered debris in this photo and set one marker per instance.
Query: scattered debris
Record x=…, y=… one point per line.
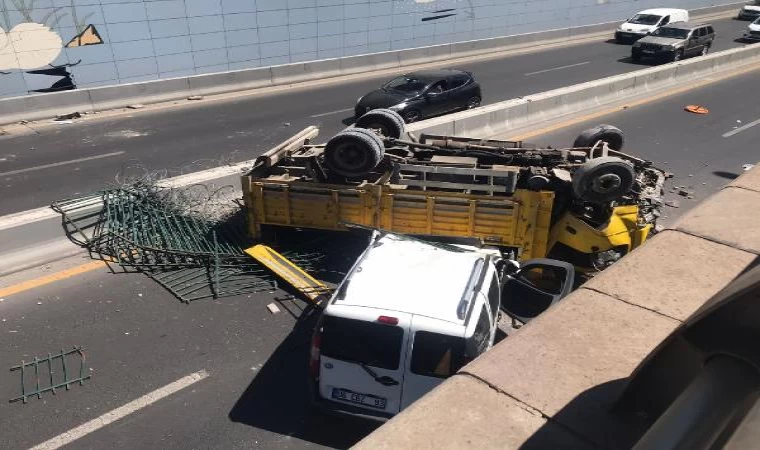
x=697, y=109
x=672, y=203
x=74, y=115
x=273, y=308
x=60, y=374
x=683, y=193
x=191, y=241
x=286, y=124
x=669, y=175
x=691, y=175
x=3, y=132
x=23, y=122
x=690, y=197
x=195, y=97
x=136, y=106
x=747, y=167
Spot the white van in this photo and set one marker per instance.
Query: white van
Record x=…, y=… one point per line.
x=408, y=315
x=645, y=22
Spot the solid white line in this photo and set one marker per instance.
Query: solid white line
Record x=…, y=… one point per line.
x=58, y=164
x=558, y=68
x=332, y=112
x=740, y=129
x=121, y=412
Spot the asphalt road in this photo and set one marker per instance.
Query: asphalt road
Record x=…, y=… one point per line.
x=97, y=151
x=704, y=152
x=139, y=338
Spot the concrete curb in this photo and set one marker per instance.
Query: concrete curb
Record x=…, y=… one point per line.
x=501, y=117
x=43, y=106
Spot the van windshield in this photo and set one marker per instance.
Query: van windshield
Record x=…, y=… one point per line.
x=374, y=344
x=645, y=19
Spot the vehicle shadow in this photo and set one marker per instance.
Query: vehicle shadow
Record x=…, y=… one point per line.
x=348, y=121
x=629, y=60
x=277, y=399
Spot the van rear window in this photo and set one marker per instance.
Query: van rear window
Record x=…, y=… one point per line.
x=374, y=344
x=437, y=355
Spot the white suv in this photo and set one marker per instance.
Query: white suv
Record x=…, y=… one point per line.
x=408, y=315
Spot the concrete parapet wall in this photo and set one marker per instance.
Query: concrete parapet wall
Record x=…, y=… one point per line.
x=552, y=384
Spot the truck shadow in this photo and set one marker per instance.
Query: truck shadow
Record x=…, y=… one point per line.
x=277, y=399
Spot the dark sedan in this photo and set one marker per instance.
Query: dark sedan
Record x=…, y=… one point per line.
x=419, y=95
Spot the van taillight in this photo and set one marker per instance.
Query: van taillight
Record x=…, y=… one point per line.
x=316, y=344
x=388, y=320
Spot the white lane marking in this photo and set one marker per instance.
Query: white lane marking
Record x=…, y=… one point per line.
x=558, y=68
x=58, y=164
x=332, y=112
x=740, y=129
x=121, y=412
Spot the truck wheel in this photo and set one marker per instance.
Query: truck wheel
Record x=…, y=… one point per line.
x=607, y=133
x=603, y=180
x=390, y=123
x=353, y=152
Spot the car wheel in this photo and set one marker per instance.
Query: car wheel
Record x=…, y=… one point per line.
x=612, y=135
x=705, y=50
x=635, y=57
x=473, y=102
x=353, y=152
x=412, y=116
x=389, y=123
x=677, y=56
x=603, y=180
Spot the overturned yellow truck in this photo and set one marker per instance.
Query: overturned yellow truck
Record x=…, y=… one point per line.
x=589, y=204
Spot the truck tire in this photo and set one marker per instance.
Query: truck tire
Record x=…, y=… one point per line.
x=603, y=180
x=390, y=123
x=353, y=152
x=607, y=133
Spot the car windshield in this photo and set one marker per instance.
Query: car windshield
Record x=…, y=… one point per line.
x=674, y=33
x=405, y=84
x=361, y=342
x=645, y=19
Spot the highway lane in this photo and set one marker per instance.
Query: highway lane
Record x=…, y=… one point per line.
x=704, y=152
x=68, y=159
x=138, y=338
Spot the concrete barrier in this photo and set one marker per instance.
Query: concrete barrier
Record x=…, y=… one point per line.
x=34, y=107
x=555, y=382
x=499, y=118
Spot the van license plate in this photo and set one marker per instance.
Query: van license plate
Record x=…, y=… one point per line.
x=372, y=401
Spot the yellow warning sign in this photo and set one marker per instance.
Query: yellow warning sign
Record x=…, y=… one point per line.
x=310, y=287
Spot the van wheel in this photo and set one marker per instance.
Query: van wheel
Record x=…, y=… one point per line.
x=353, y=152
x=603, y=180
x=677, y=56
x=390, y=123
x=705, y=50
x=607, y=133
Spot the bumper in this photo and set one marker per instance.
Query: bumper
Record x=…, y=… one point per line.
x=624, y=36
x=751, y=37
x=657, y=54
x=343, y=410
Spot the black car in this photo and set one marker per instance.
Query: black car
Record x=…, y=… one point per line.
x=424, y=94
